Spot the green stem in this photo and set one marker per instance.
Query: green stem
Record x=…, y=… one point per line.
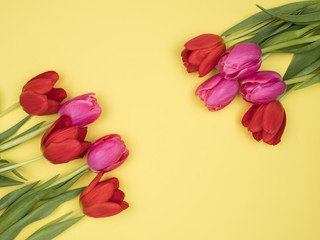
x=242, y=34
x=299, y=79
x=9, y=109
x=265, y=56
x=24, y=138
x=76, y=212
x=290, y=43
x=15, y=166
x=71, y=175
x=280, y=99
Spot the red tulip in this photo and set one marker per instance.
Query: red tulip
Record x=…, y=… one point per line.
x=102, y=199
x=201, y=53
x=266, y=122
x=38, y=96
x=63, y=142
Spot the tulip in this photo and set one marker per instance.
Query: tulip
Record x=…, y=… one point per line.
x=262, y=87
x=102, y=199
x=82, y=110
x=38, y=96
x=202, y=53
x=107, y=153
x=239, y=61
x=217, y=92
x=63, y=142
x=266, y=122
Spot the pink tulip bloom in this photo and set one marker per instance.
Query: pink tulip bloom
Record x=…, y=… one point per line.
x=262, y=87
x=82, y=110
x=107, y=153
x=239, y=61
x=217, y=92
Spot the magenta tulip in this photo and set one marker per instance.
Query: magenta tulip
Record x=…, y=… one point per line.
x=217, y=92
x=239, y=61
x=82, y=110
x=262, y=87
x=107, y=153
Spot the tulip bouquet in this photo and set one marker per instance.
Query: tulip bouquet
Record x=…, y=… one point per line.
x=63, y=140
x=292, y=29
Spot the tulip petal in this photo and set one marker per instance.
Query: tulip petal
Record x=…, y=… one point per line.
x=101, y=193
x=33, y=103
x=117, y=196
x=53, y=107
x=196, y=57
x=248, y=116
x=84, y=147
x=203, y=41
x=57, y=94
x=82, y=134
x=257, y=135
x=62, y=152
x=255, y=124
x=273, y=117
x=103, y=210
x=62, y=122
x=93, y=183
x=211, y=60
x=40, y=85
x=277, y=138
x=62, y=134
x=49, y=74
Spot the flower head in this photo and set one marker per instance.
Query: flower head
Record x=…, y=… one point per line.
x=102, y=199
x=217, y=92
x=266, y=122
x=63, y=142
x=202, y=53
x=262, y=87
x=82, y=110
x=38, y=96
x=107, y=153
x=239, y=61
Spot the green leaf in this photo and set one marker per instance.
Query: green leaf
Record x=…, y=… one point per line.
x=303, y=19
x=309, y=69
x=65, y=186
x=300, y=61
x=35, y=127
x=38, y=213
x=314, y=80
x=301, y=49
x=14, y=195
x=50, y=231
x=15, y=172
x=8, y=133
x=6, y=182
x=262, y=16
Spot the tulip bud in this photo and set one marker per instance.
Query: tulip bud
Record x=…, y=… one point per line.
x=202, y=53
x=217, y=92
x=102, y=199
x=38, y=96
x=239, y=61
x=262, y=87
x=107, y=153
x=63, y=142
x=82, y=110
x=266, y=122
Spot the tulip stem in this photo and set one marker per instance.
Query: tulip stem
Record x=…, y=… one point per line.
x=4, y=112
x=265, y=56
x=247, y=32
x=15, y=166
x=71, y=175
x=72, y=214
x=299, y=79
x=290, y=43
x=280, y=99
x=5, y=146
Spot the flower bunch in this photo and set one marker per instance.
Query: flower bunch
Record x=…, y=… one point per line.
x=293, y=29
x=63, y=141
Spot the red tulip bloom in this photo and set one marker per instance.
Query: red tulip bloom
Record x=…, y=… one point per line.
x=102, y=199
x=63, y=142
x=38, y=96
x=266, y=122
x=201, y=53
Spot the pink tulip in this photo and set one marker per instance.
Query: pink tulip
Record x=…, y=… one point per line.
x=262, y=87
x=239, y=61
x=217, y=92
x=82, y=110
x=107, y=153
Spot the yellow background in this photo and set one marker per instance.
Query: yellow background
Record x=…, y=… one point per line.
x=191, y=173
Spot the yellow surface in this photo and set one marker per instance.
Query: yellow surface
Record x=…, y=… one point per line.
x=191, y=173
